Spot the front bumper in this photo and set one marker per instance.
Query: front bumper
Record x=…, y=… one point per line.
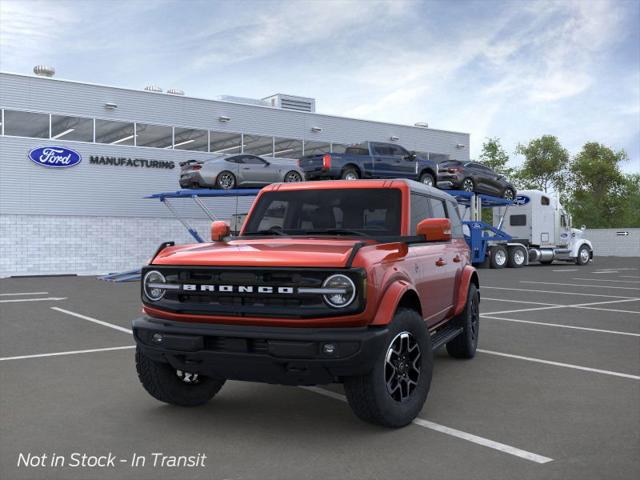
x=288, y=356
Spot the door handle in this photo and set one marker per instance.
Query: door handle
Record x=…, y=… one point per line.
x=246, y=168
x=457, y=259
x=440, y=262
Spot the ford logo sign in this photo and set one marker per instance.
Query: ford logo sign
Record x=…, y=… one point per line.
x=55, y=157
x=521, y=200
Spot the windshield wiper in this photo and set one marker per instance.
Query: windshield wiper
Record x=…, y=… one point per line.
x=336, y=231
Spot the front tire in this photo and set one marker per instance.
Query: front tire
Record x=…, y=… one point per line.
x=427, y=179
x=226, y=180
x=175, y=387
x=393, y=393
x=465, y=344
x=584, y=255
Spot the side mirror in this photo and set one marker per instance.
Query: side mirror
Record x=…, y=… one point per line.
x=435, y=229
x=219, y=230
x=411, y=156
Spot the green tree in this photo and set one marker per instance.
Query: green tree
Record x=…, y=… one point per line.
x=545, y=164
x=495, y=157
x=630, y=216
x=599, y=194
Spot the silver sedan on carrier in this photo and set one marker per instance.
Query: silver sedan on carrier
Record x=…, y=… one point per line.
x=237, y=171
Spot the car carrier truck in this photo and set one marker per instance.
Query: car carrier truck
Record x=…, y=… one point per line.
x=540, y=230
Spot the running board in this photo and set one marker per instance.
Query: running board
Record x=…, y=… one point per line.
x=444, y=335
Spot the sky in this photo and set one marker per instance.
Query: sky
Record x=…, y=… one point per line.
x=513, y=69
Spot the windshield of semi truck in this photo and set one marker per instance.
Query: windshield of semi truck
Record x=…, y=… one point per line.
x=350, y=212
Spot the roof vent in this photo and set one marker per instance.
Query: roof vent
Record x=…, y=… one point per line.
x=421, y=124
x=175, y=91
x=153, y=88
x=292, y=102
x=44, y=71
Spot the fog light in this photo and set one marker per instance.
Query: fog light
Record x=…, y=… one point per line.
x=157, y=338
x=329, y=348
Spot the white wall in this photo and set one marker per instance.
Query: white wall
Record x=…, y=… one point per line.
x=607, y=242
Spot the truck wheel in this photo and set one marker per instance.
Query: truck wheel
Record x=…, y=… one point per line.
x=498, y=256
x=226, y=180
x=172, y=386
x=350, y=173
x=427, y=179
x=517, y=257
x=394, y=391
x=583, y=255
x=465, y=344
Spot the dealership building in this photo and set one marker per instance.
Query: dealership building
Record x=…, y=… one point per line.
x=91, y=217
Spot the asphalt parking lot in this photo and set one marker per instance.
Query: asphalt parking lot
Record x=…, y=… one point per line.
x=553, y=393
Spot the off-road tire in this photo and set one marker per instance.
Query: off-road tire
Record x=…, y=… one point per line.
x=161, y=381
x=465, y=344
x=350, y=172
x=426, y=176
x=368, y=395
x=499, y=256
x=234, y=181
x=580, y=259
x=514, y=259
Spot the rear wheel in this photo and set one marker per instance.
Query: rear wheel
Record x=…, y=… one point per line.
x=172, y=386
x=292, y=177
x=468, y=185
x=584, y=255
x=498, y=256
x=427, y=179
x=509, y=194
x=517, y=257
x=226, y=180
x=350, y=173
x=395, y=390
x=465, y=344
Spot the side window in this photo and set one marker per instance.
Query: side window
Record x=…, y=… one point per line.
x=420, y=209
x=456, y=223
x=518, y=220
x=544, y=201
x=382, y=149
x=563, y=220
x=251, y=160
x=398, y=151
x=234, y=160
x=437, y=208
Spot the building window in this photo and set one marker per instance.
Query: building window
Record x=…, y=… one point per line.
x=157, y=136
x=287, y=148
x=71, y=128
x=191, y=139
x=258, y=145
x=316, y=148
x=26, y=124
x=114, y=133
x=225, y=143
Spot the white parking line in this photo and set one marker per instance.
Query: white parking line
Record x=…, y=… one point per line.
x=589, y=306
x=556, y=292
x=606, y=280
x=23, y=293
x=94, y=320
x=566, y=270
x=629, y=276
x=560, y=364
x=519, y=301
x=485, y=442
x=579, y=285
x=574, y=327
x=19, y=300
x=72, y=352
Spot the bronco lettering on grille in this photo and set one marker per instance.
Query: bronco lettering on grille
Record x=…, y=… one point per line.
x=237, y=289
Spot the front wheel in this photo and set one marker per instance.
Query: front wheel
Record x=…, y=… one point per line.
x=292, y=177
x=394, y=391
x=584, y=255
x=175, y=387
x=427, y=179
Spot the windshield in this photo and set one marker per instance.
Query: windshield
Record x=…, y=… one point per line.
x=350, y=212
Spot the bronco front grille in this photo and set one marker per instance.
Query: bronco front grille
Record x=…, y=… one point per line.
x=253, y=300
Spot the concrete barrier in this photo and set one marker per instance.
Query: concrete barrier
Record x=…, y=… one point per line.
x=618, y=242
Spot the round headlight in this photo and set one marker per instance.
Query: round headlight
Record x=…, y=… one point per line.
x=152, y=283
x=341, y=292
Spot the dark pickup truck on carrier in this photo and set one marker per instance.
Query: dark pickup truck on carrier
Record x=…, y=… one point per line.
x=370, y=160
